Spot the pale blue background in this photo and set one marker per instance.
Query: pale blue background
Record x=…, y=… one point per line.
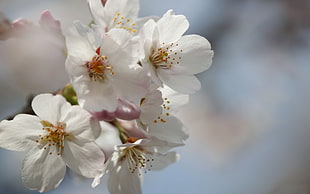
x=249, y=124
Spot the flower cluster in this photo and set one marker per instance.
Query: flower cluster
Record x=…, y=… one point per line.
x=129, y=76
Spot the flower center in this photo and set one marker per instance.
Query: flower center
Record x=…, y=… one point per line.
x=98, y=66
x=137, y=158
x=165, y=57
x=124, y=23
x=54, y=136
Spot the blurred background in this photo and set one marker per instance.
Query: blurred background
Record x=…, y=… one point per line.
x=249, y=125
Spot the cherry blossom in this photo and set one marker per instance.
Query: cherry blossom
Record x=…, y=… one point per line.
x=117, y=114
x=103, y=69
x=130, y=160
x=60, y=135
x=121, y=14
x=158, y=118
x=172, y=58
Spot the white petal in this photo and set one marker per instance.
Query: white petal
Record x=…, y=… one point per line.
x=120, y=36
x=20, y=133
x=147, y=31
x=78, y=122
x=84, y=157
x=128, y=82
x=97, y=11
x=148, y=67
x=155, y=145
x=171, y=131
x=196, y=55
x=151, y=107
x=96, y=96
x=49, y=107
x=176, y=99
x=172, y=27
x=108, y=138
x=42, y=171
x=78, y=44
x=123, y=181
x=133, y=85
x=187, y=84
x=161, y=161
x=119, y=52
x=88, y=35
x=76, y=68
x=139, y=23
x=126, y=8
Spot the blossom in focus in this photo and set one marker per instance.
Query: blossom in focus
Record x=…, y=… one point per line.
x=34, y=55
x=60, y=135
x=171, y=58
x=130, y=160
x=104, y=69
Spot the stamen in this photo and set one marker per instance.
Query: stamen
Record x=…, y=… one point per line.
x=123, y=23
x=165, y=57
x=137, y=158
x=165, y=113
x=55, y=136
x=97, y=66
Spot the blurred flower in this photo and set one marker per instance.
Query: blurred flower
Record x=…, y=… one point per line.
x=5, y=27
x=35, y=55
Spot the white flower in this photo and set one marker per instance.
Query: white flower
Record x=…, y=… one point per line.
x=171, y=58
x=104, y=69
x=117, y=14
x=130, y=160
x=157, y=115
x=61, y=135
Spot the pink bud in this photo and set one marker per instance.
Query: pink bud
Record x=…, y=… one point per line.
x=127, y=110
x=132, y=129
x=48, y=22
x=103, y=2
x=104, y=115
x=20, y=24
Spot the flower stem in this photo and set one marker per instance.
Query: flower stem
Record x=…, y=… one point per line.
x=122, y=133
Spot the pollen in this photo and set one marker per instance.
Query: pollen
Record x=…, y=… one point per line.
x=165, y=57
x=54, y=136
x=123, y=23
x=98, y=66
x=165, y=113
